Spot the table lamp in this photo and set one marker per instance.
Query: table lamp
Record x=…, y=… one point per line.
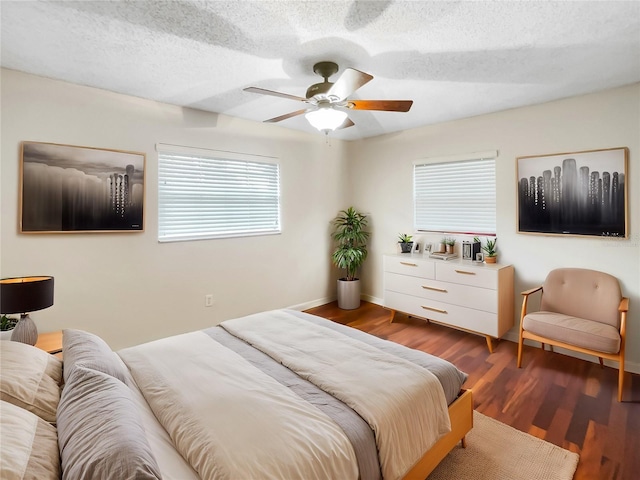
x=23, y=295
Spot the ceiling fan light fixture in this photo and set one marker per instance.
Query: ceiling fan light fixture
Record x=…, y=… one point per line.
x=326, y=118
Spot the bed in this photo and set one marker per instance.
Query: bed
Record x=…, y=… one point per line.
x=280, y=395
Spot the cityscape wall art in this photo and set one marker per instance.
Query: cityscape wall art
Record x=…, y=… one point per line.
x=580, y=193
x=67, y=188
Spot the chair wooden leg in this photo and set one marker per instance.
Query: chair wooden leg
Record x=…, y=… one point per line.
x=520, y=351
x=601, y=362
x=621, y=379
x=463, y=442
x=542, y=346
x=551, y=348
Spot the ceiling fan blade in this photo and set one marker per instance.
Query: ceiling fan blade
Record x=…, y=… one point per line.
x=350, y=80
x=288, y=115
x=346, y=124
x=274, y=94
x=385, y=105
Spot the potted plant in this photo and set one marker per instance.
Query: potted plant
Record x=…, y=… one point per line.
x=349, y=254
x=406, y=245
x=490, y=250
x=450, y=244
x=7, y=324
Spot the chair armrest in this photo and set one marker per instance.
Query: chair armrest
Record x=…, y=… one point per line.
x=526, y=293
x=624, y=305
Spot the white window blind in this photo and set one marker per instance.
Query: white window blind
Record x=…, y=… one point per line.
x=209, y=194
x=456, y=194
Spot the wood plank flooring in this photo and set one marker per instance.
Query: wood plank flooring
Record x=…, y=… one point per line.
x=566, y=401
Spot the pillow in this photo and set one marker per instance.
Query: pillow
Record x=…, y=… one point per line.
x=29, y=445
x=100, y=432
x=89, y=350
x=30, y=378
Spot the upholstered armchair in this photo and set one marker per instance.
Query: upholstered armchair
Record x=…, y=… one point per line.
x=580, y=310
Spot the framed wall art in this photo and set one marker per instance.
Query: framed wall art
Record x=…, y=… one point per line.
x=66, y=188
x=579, y=193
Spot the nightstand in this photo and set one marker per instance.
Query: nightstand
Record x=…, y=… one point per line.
x=51, y=342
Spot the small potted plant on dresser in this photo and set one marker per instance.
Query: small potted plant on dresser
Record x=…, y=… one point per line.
x=490, y=250
x=450, y=244
x=406, y=245
x=349, y=254
x=7, y=324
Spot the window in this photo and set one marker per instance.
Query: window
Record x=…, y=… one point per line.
x=211, y=194
x=456, y=194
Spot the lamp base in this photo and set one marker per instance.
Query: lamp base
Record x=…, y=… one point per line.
x=25, y=331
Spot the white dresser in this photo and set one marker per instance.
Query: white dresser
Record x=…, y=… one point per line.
x=471, y=296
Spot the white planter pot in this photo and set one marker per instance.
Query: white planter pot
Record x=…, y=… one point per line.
x=349, y=294
x=6, y=335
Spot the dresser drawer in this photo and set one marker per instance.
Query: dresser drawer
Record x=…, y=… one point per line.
x=415, y=267
x=452, y=293
x=454, y=315
x=476, y=276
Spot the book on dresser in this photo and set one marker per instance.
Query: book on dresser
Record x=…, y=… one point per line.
x=463, y=294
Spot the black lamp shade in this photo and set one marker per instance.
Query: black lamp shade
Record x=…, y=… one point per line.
x=25, y=294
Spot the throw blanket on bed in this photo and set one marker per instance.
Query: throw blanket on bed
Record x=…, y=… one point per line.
x=404, y=403
x=232, y=421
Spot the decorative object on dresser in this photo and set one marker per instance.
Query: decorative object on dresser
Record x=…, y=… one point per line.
x=406, y=245
x=449, y=244
x=470, y=249
x=580, y=310
x=23, y=295
x=491, y=250
x=473, y=297
x=350, y=254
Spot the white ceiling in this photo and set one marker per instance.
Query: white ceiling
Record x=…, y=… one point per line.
x=454, y=59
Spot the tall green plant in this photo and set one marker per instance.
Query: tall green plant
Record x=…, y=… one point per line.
x=351, y=237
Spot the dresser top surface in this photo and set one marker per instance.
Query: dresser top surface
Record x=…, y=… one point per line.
x=454, y=261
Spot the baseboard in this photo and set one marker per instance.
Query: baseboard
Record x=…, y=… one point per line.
x=313, y=303
x=632, y=367
x=376, y=300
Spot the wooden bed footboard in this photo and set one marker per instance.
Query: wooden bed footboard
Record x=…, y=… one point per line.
x=461, y=415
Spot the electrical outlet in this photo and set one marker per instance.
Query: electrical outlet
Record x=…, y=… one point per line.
x=208, y=300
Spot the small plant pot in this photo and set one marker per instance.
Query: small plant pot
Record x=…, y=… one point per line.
x=441, y=248
x=450, y=248
x=406, y=247
x=490, y=259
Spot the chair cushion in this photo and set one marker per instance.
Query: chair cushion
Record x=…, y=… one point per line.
x=574, y=331
x=582, y=293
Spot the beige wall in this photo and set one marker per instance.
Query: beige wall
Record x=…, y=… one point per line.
x=128, y=288
x=380, y=172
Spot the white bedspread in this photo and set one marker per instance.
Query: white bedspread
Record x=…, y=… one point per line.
x=232, y=421
x=404, y=403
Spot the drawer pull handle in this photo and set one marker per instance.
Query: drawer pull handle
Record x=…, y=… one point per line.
x=439, y=310
x=409, y=264
x=465, y=272
x=435, y=289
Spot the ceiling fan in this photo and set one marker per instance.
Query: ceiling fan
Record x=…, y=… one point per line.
x=328, y=102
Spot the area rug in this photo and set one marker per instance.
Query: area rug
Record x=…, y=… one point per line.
x=496, y=451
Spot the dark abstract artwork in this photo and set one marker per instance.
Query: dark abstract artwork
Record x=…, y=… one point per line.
x=581, y=193
x=80, y=189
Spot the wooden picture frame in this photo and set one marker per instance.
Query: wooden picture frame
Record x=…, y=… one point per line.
x=576, y=193
x=72, y=189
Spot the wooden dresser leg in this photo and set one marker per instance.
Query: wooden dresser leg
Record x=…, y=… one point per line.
x=463, y=442
x=393, y=315
x=489, y=344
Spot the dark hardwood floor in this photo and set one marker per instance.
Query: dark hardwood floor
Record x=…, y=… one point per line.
x=563, y=400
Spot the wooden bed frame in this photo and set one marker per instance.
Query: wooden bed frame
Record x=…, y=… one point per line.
x=461, y=415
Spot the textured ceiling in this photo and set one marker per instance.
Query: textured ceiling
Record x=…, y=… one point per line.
x=454, y=59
